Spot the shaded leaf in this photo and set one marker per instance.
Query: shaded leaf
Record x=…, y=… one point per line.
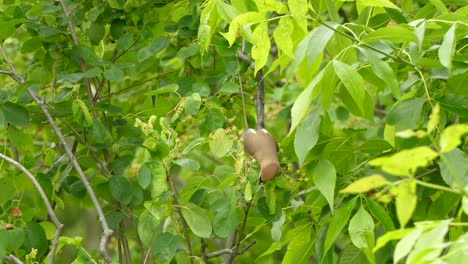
x=197, y=220
x=324, y=175
x=307, y=134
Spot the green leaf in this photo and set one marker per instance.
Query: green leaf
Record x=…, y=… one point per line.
x=361, y=4
x=238, y=22
x=121, y=189
x=193, y=145
x=366, y=184
x=225, y=222
x=261, y=46
x=114, y=74
x=193, y=103
x=457, y=104
x=447, y=47
x=307, y=134
x=147, y=223
x=229, y=88
x=282, y=36
x=300, y=247
x=159, y=181
x=451, y=135
x=145, y=175
x=20, y=138
x=337, y=223
x=15, y=114
x=277, y=228
x=197, y=220
x=384, y=72
x=35, y=237
x=457, y=252
x=165, y=246
x=220, y=143
x=405, y=201
x=125, y=41
x=99, y=136
x=406, y=114
x=298, y=9
x=214, y=119
x=96, y=32
x=11, y=239
x=397, y=34
x=391, y=235
x=209, y=19
x=440, y=6
x=430, y=244
x=361, y=231
x=380, y=214
x=406, y=162
x=170, y=88
x=8, y=27
x=454, y=168
x=187, y=163
x=375, y=146
x=406, y=244
x=352, y=81
x=302, y=103
x=324, y=175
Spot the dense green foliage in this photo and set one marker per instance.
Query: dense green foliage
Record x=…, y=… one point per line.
x=137, y=104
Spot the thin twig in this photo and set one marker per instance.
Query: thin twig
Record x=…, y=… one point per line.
x=226, y=251
x=50, y=210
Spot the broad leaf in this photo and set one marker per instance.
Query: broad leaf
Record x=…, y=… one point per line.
x=307, y=134
x=366, y=184
x=405, y=201
x=324, y=175
x=197, y=220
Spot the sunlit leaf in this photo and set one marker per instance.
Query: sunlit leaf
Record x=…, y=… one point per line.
x=395, y=34
x=298, y=9
x=447, y=47
x=282, y=36
x=405, y=201
x=236, y=23
x=406, y=162
x=366, y=184
x=451, y=135
x=261, y=46
x=361, y=231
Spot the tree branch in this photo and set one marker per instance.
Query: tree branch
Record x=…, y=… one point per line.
x=107, y=232
x=13, y=259
x=50, y=210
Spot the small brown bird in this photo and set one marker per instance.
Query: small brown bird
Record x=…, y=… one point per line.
x=263, y=147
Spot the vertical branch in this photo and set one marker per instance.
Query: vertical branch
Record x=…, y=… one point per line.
x=50, y=210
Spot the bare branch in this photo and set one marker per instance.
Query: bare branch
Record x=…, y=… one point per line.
x=219, y=253
x=107, y=232
x=12, y=259
x=50, y=210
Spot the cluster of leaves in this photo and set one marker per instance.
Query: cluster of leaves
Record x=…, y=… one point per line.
x=368, y=98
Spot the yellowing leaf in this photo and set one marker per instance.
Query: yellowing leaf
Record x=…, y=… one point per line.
x=366, y=184
x=271, y=5
x=239, y=21
x=282, y=36
x=361, y=4
x=261, y=46
x=391, y=235
x=298, y=9
x=405, y=162
x=450, y=137
x=405, y=201
x=434, y=118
